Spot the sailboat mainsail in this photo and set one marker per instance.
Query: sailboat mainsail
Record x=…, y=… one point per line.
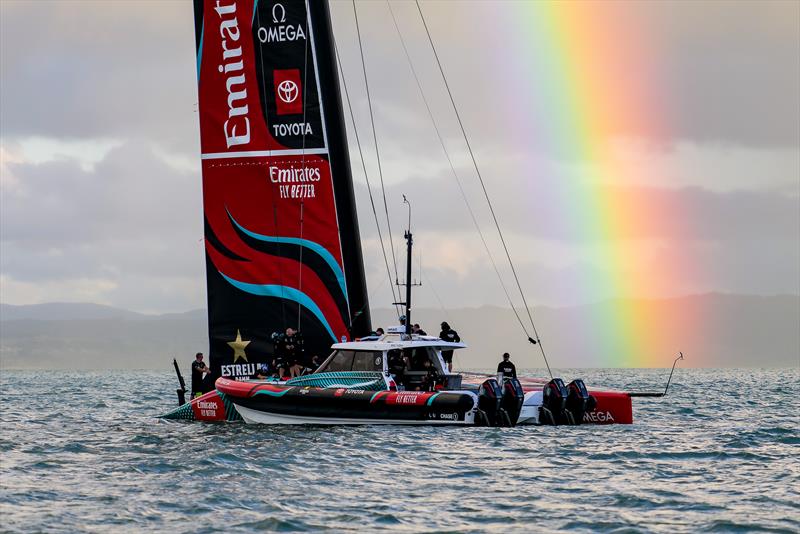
x=281, y=233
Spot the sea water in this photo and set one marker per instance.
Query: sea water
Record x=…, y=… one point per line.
x=84, y=451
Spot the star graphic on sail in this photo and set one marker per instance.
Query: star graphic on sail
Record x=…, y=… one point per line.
x=238, y=345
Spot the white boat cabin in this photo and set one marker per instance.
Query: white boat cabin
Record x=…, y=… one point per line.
x=419, y=354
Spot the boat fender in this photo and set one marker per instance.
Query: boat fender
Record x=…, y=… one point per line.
x=578, y=401
x=513, y=398
x=554, y=399
x=489, y=398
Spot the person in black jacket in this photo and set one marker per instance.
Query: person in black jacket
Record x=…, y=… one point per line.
x=506, y=367
x=448, y=334
x=198, y=369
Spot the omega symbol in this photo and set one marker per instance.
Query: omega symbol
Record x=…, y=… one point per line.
x=275, y=11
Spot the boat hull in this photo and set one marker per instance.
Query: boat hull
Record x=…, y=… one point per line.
x=279, y=404
x=282, y=404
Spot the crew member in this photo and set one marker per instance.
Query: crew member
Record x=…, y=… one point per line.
x=262, y=372
x=415, y=329
x=429, y=380
x=399, y=329
x=448, y=334
x=397, y=366
x=292, y=348
x=199, y=368
x=280, y=364
x=506, y=367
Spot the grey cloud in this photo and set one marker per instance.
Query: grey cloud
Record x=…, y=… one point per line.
x=731, y=73
x=547, y=210
x=84, y=69
x=727, y=71
x=132, y=218
x=733, y=67
x=129, y=194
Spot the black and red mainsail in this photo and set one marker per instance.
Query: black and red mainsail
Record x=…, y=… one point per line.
x=281, y=233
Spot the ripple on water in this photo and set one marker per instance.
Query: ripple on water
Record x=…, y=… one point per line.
x=690, y=463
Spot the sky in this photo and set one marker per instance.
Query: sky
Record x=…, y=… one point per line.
x=631, y=149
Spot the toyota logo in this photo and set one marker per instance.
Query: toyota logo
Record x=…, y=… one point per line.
x=287, y=91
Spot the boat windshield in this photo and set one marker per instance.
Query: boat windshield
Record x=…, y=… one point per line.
x=353, y=360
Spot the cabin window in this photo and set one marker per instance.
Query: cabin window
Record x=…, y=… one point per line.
x=368, y=361
x=350, y=360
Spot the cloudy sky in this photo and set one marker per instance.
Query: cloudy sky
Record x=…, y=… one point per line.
x=683, y=116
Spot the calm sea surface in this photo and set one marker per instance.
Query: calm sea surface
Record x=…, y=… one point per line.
x=85, y=452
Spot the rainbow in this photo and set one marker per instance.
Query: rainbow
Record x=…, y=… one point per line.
x=588, y=77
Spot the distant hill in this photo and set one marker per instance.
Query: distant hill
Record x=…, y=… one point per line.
x=712, y=330
x=64, y=310
x=59, y=311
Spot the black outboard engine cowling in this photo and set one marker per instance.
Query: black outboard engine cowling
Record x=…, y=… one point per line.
x=578, y=401
x=490, y=397
x=513, y=397
x=554, y=401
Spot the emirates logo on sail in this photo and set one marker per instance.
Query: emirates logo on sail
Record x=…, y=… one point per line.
x=288, y=91
x=237, y=127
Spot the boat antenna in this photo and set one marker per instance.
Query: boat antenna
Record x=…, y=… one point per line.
x=405, y=201
x=408, y=282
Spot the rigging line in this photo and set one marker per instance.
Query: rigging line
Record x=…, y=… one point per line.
x=303, y=167
x=300, y=273
x=272, y=196
x=483, y=186
x=375, y=140
x=427, y=280
x=455, y=174
x=366, y=177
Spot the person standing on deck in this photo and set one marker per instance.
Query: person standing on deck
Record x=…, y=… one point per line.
x=293, y=351
x=450, y=335
x=198, y=369
x=506, y=367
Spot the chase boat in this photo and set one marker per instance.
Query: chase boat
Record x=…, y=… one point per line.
x=356, y=385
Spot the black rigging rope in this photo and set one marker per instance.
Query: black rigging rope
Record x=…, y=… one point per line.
x=303, y=167
x=455, y=174
x=366, y=177
x=375, y=140
x=485, y=193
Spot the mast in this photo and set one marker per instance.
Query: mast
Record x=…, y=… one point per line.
x=409, y=243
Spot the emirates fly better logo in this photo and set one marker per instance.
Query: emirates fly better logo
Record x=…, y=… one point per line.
x=288, y=91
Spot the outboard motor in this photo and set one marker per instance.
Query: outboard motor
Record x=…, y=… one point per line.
x=578, y=401
x=513, y=397
x=490, y=397
x=554, y=400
